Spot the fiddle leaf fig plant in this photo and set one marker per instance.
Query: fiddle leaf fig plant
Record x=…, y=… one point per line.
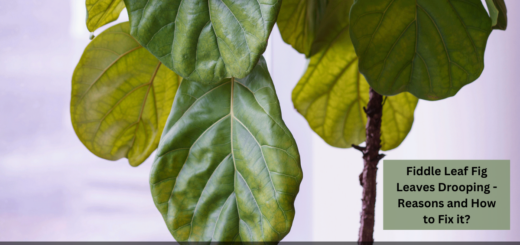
x=378, y=57
x=332, y=93
x=189, y=77
x=233, y=174
x=204, y=41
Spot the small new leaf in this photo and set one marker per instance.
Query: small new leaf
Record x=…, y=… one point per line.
x=204, y=40
x=332, y=93
x=121, y=97
x=498, y=12
x=227, y=167
x=428, y=48
x=102, y=12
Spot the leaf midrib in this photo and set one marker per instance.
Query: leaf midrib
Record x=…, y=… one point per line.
x=232, y=118
x=152, y=79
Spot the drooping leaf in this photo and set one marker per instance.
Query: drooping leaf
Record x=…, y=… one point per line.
x=227, y=167
x=428, y=48
x=102, y=12
x=332, y=93
x=498, y=11
x=204, y=40
x=298, y=21
x=121, y=97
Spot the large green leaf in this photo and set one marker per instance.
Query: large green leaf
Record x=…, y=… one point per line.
x=227, y=167
x=204, y=40
x=121, y=97
x=498, y=12
x=332, y=93
x=102, y=12
x=298, y=21
x=429, y=48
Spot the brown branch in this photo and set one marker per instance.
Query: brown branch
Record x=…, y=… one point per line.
x=371, y=157
x=359, y=148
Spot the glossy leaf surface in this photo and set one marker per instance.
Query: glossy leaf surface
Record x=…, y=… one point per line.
x=498, y=12
x=332, y=93
x=429, y=48
x=102, y=12
x=227, y=167
x=121, y=97
x=203, y=40
x=298, y=21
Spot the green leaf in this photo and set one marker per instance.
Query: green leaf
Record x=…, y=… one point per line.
x=201, y=40
x=121, y=97
x=298, y=21
x=498, y=12
x=428, y=48
x=227, y=167
x=332, y=93
x=397, y=120
x=102, y=12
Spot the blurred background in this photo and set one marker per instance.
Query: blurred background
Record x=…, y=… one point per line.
x=53, y=189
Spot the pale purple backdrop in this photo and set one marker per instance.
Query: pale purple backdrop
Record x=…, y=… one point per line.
x=52, y=188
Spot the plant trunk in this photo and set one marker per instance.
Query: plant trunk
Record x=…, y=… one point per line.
x=371, y=157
